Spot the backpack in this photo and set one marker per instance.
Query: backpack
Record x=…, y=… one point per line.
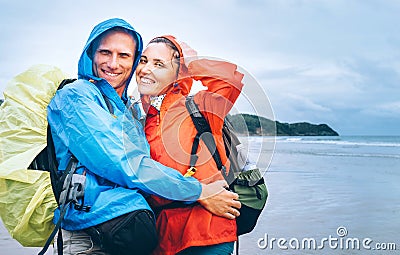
x=243, y=178
x=27, y=202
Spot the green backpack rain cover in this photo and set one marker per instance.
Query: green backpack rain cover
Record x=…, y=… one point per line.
x=27, y=202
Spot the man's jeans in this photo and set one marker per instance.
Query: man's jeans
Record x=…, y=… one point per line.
x=77, y=243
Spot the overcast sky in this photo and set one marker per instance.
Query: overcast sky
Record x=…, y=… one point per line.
x=320, y=61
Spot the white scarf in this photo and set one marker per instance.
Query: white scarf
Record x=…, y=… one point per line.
x=156, y=101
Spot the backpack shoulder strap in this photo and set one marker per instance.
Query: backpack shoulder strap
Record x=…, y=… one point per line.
x=65, y=82
x=108, y=103
x=203, y=132
x=52, y=164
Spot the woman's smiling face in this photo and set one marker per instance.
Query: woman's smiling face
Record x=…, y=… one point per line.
x=157, y=70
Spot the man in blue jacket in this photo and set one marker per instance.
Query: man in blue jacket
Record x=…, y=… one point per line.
x=111, y=148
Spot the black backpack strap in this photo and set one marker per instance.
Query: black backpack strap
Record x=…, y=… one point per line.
x=203, y=132
x=64, y=204
x=108, y=103
x=193, y=153
x=65, y=82
x=53, y=165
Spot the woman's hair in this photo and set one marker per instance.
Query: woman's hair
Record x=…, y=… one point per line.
x=172, y=46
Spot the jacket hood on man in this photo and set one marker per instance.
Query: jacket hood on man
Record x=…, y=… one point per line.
x=85, y=69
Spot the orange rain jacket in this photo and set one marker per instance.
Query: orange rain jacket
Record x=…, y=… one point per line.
x=170, y=134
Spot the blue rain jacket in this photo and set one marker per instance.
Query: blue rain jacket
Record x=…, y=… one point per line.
x=111, y=149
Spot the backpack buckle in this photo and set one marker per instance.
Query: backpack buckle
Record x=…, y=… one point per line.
x=190, y=172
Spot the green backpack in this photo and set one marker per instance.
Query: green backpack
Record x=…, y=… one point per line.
x=246, y=181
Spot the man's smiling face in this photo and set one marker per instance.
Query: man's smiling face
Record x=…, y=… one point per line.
x=114, y=57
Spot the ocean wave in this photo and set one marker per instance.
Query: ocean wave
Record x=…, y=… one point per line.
x=341, y=142
x=365, y=155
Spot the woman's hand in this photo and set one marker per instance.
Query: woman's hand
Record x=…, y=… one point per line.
x=218, y=200
x=189, y=54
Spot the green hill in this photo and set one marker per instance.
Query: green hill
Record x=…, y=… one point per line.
x=255, y=125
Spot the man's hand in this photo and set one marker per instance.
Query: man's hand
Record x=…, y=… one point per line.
x=219, y=201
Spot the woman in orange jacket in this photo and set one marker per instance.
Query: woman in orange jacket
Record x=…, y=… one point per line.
x=164, y=80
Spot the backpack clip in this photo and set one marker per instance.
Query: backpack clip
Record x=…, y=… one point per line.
x=190, y=172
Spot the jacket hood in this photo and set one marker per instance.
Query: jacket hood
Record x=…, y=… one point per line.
x=85, y=70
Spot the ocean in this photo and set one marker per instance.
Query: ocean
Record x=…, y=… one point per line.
x=327, y=195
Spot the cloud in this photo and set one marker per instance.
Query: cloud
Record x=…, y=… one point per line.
x=334, y=91
x=303, y=103
x=389, y=109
